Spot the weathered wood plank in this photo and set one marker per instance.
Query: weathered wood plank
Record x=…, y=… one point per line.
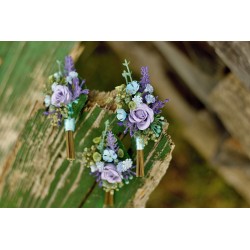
x=236, y=56
x=231, y=101
x=37, y=174
x=199, y=82
x=23, y=70
x=199, y=128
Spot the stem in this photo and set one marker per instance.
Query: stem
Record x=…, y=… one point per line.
x=124, y=74
x=126, y=63
x=101, y=144
x=59, y=66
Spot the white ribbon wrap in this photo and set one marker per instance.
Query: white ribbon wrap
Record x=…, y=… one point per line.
x=69, y=124
x=139, y=143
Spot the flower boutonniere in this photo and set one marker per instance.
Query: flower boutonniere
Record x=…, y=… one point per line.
x=138, y=110
x=109, y=163
x=65, y=96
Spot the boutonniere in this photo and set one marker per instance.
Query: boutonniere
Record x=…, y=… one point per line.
x=109, y=163
x=138, y=110
x=65, y=96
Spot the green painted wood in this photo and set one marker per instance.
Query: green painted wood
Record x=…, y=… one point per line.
x=41, y=177
x=33, y=169
x=24, y=67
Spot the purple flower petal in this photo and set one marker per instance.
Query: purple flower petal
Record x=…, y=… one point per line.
x=69, y=64
x=142, y=116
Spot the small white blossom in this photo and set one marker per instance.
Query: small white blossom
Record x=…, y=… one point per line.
x=93, y=168
x=53, y=86
x=149, y=88
x=47, y=100
x=73, y=74
x=138, y=100
x=97, y=167
x=124, y=165
x=100, y=166
x=109, y=155
x=69, y=79
x=150, y=99
x=57, y=76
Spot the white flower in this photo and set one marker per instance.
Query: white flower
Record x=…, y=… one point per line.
x=73, y=74
x=138, y=100
x=149, y=88
x=150, y=99
x=109, y=155
x=69, y=79
x=97, y=167
x=100, y=166
x=53, y=86
x=47, y=100
x=124, y=165
x=57, y=76
x=93, y=168
x=127, y=164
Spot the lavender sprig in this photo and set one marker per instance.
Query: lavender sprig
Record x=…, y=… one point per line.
x=158, y=105
x=69, y=64
x=144, y=78
x=112, y=141
x=131, y=127
x=78, y=89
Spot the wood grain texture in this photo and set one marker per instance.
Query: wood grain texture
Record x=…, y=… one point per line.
x=199, y=82
x=200, y=128
x=231, y=101
x=236, y=56
x=24, y=69
x=38, y=175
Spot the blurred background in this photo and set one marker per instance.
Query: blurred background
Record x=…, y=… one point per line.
x=209, y=111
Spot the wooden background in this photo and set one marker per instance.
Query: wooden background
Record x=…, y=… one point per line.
x=209, y=91
x=34, y=172
x=210, y=88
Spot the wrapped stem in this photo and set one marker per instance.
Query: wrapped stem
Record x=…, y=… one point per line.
x=70, y=146
x=109, y=199
x=139, y=157
x=69, y=125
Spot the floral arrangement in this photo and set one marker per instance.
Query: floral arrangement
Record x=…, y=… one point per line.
x=138, y=109
x=65, y=96
x=109, y=163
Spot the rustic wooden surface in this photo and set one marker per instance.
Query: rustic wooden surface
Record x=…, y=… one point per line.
x=231, y=101
x=236, y=57
x=24, y=68
x=218, y=126
x=34, y=172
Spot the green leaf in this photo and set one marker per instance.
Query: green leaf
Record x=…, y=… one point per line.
x=77, y=107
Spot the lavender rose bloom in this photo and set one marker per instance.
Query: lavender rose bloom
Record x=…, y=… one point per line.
x=110, y=174
x=142, y=116
x=61, y=95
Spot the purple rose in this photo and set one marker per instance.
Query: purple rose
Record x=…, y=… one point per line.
x=61, y=95
x=110, y=174
x=142, y=116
